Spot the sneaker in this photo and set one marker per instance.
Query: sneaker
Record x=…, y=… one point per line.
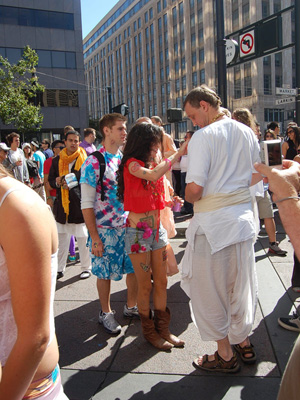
x=291, y=323
x=85, y=275
x=109, y=322
x=131, y=312
x=275, y=249
x=72, y=258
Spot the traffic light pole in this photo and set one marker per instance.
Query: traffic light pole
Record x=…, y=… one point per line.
x=297, y=54
x=109, y=99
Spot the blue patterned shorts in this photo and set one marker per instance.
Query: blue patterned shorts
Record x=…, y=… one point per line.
x=115, y=262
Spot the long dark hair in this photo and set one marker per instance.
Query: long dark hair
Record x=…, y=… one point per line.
x=141, y=138
x=297, y=136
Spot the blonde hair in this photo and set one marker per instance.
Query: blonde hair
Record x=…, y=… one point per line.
x=244, y=116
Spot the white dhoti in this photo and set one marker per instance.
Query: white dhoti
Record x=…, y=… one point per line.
x=222, y=288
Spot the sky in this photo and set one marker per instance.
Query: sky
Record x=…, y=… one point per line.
x=92, y=11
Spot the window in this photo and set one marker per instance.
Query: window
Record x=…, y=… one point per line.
x=267, y=84
x=158, y=6
x=164, y=4
x=194, y=79
x=194, y=59
x=247, y=79
x=201, y=55
x=235, y=19
x=192, y=20
x=237, y=82
x=165, y=21
x=146, y=16
x=193, y=40
x=183, y=63
x=200, y=35
x=183, y=82
x=278, y=59
x=265, y=7
x=174, y=15
x=176, y=66
x=202, y=76
x=245, y=14
x=181, y=10
x=177, y=85
x=151, y=13
x=278, y=80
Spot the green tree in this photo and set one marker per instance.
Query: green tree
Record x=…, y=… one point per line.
x=18, y=89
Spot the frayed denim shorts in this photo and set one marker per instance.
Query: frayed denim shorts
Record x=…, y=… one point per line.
x=134, y=237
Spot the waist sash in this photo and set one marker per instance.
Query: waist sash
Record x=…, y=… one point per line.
x=214, y=202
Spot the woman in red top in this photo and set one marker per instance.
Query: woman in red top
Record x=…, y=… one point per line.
x=140, y=181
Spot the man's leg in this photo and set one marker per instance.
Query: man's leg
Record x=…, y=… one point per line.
x=63, y=249
x=84, y=254
x=103, y=287
x=270, y=229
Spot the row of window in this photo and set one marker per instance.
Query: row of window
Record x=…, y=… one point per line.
x=47, y=58
x=57, y=98
x=37, y=18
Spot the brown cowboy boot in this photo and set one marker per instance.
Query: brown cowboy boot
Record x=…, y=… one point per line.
x=151, y=334
x=162, y=321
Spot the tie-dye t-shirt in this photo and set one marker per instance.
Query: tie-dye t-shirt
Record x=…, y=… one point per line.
x=110, y=212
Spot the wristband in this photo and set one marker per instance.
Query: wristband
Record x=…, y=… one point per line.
x=170, y=164
x=287, y=198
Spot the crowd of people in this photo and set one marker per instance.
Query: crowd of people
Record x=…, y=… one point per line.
x=115, y=202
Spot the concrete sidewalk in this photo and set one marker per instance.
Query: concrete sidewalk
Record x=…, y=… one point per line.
x=96, y=365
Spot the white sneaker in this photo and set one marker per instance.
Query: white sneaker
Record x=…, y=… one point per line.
x=290, y=323
x=85, y=275
x=109, y=322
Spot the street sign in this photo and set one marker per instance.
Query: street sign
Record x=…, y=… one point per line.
x=247, y=44
x=285, y=100
x=280, y=90
x=231, y=50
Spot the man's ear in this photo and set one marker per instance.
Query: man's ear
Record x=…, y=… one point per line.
x=106, y=131
x=204, y=105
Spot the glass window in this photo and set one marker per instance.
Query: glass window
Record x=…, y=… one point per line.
x=202, y=76
x=181, y=9
x=41, y=18
x=151, y=13
x=183, y=82
x=13, y=55
x=58, y=59
x=146, y=16
x=56, y=20
x=26, y=17
x=201, y=55
x=165, y=21
x=8, y=15
x=174, y=15
x=134, y=26
x=159, y=6
x=193, y=39
x=164, y=4
x=192, y=20
x=44, y=58
x=194, y=59
x=139, y=23
x=70, y=59
x=159, y=23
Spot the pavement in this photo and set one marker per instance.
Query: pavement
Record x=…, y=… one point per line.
x=96, y=365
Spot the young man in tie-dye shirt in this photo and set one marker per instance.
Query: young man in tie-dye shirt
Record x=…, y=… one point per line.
x=106, y=221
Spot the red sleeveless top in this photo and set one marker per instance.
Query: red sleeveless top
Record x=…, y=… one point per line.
x=141, y=195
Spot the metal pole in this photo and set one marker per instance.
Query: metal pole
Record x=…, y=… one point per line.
x=221, y=57
x=109, y=99
x=297, y=54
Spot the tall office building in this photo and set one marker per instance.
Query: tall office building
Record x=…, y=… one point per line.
x=153, y=52
x=53, y=29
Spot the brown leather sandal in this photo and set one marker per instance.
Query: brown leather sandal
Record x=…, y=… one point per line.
x=218, y=364
x=243, y=351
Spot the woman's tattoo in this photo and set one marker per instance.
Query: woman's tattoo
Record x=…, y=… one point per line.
x=164, y=255
x=135, y=167
x=149, y=219
x=145, y=267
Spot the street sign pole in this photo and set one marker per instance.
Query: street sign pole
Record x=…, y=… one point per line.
x=297, y=54
x=221, y=47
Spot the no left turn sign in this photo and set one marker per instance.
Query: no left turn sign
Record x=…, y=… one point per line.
x=247, y=44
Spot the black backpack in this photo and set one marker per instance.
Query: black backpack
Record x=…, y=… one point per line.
x=102, y=165
x=32, y=168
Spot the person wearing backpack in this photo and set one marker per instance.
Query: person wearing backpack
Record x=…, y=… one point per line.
x=105, y=219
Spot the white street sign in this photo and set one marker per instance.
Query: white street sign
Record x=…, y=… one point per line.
x=247, y=44
x=231, y=50
x=280, y=90
x=285, y=100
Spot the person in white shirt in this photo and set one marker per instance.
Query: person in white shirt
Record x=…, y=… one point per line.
x=15, y=161
x=218, y=267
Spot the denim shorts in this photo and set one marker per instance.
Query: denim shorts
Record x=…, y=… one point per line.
x=134, y=236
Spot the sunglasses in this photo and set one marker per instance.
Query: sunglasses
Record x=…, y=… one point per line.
x=59, y=147
x=290, y=131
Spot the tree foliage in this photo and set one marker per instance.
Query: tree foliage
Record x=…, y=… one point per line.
x=18, y=88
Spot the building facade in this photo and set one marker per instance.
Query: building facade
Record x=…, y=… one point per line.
x=153, y=52
x=53, y=29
